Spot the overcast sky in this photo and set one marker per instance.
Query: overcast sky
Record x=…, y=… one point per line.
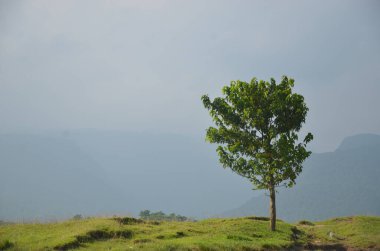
x=142, y=65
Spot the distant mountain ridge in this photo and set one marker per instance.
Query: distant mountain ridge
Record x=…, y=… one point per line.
x=49, y=178
x=340, y=183
x=359, y=141
x=58, y=175
x=89, y=172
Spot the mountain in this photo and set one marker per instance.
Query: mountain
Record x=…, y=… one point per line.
x=340, y=183
x=168, y=172
x=89, y=172
x=58, y=175
x=50, y=178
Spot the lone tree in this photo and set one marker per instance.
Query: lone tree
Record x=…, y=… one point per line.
x=257, y=127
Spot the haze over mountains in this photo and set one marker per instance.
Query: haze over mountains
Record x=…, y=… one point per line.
x=57, y=175
x=340, y=183
x=99, y=172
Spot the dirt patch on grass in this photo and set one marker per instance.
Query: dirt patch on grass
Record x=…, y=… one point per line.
x=94, y=235
x=238, y=238
x=139, y=241
x=258, y=218
x=305, y=223
x=261, y=218
x=335, y=246
x=343, y=219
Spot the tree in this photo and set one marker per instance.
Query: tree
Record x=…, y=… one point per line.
x=144, y=214
x=257, y=126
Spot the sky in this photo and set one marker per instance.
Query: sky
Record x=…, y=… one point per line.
x=142, y=65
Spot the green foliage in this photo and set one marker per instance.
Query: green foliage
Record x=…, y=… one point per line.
x=77, y=217
x=160, y=216
x=256, y=129
x=128, y=220
x=5, y=244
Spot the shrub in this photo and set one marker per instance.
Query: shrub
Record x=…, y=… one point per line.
x=305, y=222
x=180, y=234
x=161, y=216
x=5, y=244
x=77, y=217
x=128, y=220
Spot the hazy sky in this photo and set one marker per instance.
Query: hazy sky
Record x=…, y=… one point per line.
x=142, y=65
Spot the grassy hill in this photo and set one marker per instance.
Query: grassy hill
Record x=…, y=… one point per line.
x=250, y=233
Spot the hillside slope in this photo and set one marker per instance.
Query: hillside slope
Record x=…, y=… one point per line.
x=252, y=233
x=340, y=183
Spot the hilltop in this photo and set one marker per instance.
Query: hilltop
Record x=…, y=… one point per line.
x=250, y=233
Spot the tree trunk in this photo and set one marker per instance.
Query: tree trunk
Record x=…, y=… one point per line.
x=272, y=208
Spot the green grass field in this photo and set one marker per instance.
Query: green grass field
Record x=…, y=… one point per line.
x=354, y=233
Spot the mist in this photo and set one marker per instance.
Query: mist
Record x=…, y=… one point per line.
x=142, y=66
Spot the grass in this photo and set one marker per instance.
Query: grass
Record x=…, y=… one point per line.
x=211, y=234
x=358, y=232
